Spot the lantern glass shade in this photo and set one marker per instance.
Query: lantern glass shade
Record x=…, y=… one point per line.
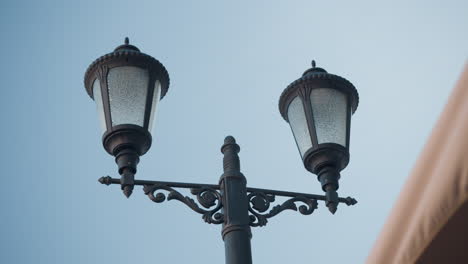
x=128, y=91
x=156, y=97
x=127, y=86
x=298, y=122
x=100, y=108
x=329, y=110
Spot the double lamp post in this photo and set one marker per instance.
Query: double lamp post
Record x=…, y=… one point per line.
x=127, y=85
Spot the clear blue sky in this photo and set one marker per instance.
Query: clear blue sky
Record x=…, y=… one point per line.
x=228, y=63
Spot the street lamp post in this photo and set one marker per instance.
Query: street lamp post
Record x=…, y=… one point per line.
x=127, y=85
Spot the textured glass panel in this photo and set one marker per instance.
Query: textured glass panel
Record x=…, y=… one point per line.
x=329, y=111
x=128, y=88
x=298, y=123
x=98, y=99
x=154, y=105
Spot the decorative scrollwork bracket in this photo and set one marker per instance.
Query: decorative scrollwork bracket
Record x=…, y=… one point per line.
x=208, y=196
x=210, y=200
x=261, y=199
x=259, y=203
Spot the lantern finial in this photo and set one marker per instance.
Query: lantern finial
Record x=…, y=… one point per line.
x=313, y=63
x=126, y=46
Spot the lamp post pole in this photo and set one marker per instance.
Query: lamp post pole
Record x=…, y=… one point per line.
x=127, y=86
x=236, y=230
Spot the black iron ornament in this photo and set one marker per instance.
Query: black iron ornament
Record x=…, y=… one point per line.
x=325, y=103
x=230, y=202
x=126, y=71
x=211, y=199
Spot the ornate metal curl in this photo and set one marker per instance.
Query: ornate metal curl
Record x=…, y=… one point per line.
x=259, y=203
x=207, y=197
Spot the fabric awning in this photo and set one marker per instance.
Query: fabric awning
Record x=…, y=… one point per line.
x=429, y=222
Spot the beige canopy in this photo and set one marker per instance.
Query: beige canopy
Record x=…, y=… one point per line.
x=429, y=222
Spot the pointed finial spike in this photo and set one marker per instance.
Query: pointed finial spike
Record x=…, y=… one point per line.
x=313, y=63
x=332, y=208
x=127, y=41
x=127, y=190
x=105, y=180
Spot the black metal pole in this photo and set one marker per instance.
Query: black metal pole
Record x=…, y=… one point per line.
x=236, y=229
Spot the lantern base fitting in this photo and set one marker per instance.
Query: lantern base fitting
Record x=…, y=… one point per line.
x=127, y=160
x=326, y=161
x=127, y=136
x=324, y=155
x=127, y=143
x=328, y=177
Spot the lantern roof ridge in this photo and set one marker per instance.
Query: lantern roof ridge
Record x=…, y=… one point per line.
x=315, y=78
x=126, y=51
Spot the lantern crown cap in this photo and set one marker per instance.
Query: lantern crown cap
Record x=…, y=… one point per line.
x=314, y=69
x=316, y=77
x=125, y=55
x=126, y=46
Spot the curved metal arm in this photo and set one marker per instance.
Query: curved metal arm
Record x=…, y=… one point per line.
x=206, y=196
x=259, y=202
x=211, y=199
